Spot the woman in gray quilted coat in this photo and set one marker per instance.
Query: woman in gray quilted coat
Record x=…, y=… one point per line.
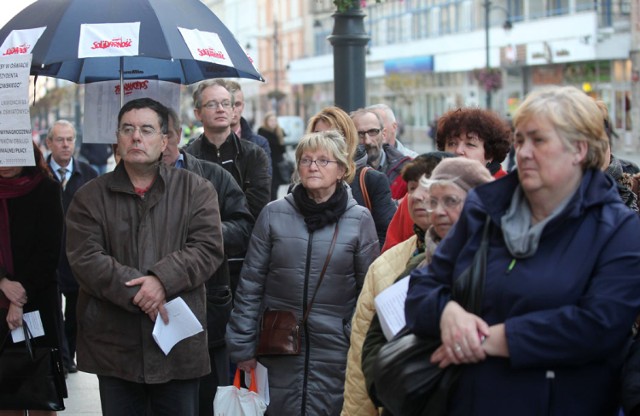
x=288, y=249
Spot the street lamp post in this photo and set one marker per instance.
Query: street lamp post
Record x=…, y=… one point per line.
x=349, y=40
x=276, y=76
x=487, y=9
x=507, y=26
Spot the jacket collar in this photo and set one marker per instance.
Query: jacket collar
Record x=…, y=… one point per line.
x=191, y=163
x=54, y=166
x=232, y=139
x=119, y=181
x=596, y=188
x=245, y=129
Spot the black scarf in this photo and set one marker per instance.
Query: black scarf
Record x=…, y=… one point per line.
x=319, y=215
x=420, y=245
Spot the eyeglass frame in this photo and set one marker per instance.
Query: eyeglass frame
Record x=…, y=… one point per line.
x=363, y=134
x=133, y=129
x=323, y=162
x=445, y=205
x=214, y=105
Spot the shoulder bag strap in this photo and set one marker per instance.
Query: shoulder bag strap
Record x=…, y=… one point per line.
x=324, y=269
x=363, y=187
x=27, y=340
x=468, y=289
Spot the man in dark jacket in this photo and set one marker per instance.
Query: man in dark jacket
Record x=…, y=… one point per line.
x=72, y=174
x=240, y=126
x=380, y=156
x=246, y=161
x=138, y=237
x=97, y=154
x=237, y=223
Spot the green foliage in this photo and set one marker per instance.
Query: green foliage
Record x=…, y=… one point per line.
x=344, y=5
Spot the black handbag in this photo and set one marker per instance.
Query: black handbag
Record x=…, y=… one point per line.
x=31, y=377
x=406, y=382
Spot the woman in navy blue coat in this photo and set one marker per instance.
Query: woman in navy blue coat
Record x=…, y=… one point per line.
x=563, y=276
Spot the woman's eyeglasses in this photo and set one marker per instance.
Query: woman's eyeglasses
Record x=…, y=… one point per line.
x=321, y=163
x=448, y=202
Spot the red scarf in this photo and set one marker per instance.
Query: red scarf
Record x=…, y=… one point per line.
x=11, y=188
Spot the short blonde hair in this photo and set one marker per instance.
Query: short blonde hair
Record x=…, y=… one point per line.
x=575, y=117
x=331, y=141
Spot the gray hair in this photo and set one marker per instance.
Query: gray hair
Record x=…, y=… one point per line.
x=387, y=111
x=363, y=111
x=65, y=123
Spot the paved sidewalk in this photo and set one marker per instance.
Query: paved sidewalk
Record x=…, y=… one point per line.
x=84, y=399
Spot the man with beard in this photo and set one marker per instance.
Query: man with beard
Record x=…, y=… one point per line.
x=380, y=156
x=391, y=126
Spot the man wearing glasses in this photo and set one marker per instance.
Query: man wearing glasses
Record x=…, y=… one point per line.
x=380, y=156
x=138, y=237
x=72, y=174
x=247, y=162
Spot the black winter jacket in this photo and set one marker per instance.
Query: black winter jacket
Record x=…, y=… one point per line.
x=382, y=205
x=247, y=133
x=237, y=224
x=82, y=173
x=250, y=168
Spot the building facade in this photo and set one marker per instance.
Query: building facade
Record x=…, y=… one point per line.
x=427, y=56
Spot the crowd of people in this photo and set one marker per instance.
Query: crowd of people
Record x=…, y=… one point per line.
x=205, y=223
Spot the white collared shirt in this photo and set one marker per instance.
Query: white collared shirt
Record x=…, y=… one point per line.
x=55, y=167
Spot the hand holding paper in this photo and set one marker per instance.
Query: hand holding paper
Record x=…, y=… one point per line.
x=35, y=327
x=182, y=324
x=390, y=307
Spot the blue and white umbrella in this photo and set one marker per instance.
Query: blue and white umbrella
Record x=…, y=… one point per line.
x=86, y=41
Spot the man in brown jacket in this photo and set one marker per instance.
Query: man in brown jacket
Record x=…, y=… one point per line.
x=138, y=237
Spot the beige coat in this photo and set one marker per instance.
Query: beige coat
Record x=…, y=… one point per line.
x=382, y=273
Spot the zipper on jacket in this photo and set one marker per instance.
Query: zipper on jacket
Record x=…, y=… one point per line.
x=550, y=376
x=306, y=332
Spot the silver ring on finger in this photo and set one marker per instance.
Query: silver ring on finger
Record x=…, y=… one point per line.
x=457, y=348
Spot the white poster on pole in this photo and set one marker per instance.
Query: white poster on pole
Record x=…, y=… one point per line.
x=102, y=104
x=16, y=148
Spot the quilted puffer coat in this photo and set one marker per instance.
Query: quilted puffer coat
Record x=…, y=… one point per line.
x=281, y=271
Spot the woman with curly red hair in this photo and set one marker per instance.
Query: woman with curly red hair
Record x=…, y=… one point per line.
x=477, y=134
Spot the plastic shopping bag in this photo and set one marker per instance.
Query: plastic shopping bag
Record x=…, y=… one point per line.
x=237, y=401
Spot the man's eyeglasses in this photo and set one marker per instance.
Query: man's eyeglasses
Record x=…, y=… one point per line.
x=145, y=131
x=322, y=163
x=213, y=105
x=448, y=202
x=370, y=133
